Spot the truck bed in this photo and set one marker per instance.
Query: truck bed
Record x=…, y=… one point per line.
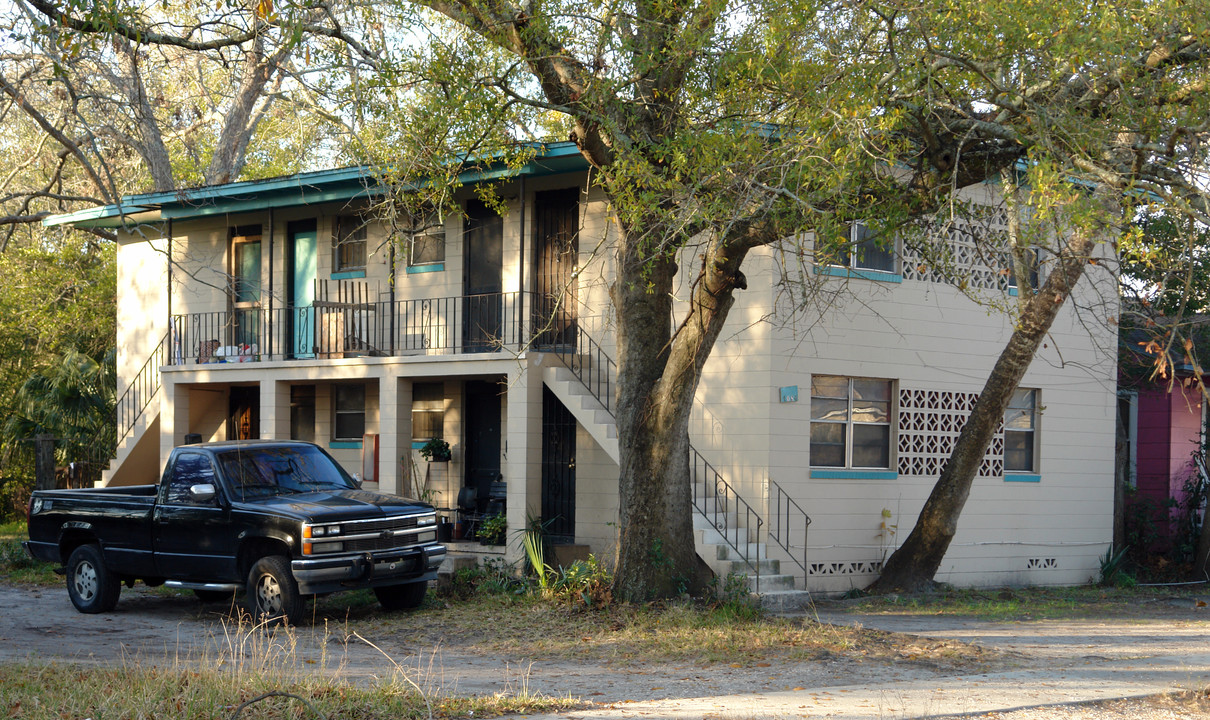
x=121, y=515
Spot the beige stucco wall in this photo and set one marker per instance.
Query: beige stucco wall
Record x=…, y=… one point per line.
x=921, y=335
x=142, y=298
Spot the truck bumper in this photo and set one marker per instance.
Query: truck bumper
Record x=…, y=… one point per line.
x=367, y=570
x=44, y=551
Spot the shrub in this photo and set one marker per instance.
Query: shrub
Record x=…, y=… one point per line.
x=14, y=498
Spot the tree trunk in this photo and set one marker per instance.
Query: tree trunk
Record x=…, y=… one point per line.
x=658, y=375
x=912, y=567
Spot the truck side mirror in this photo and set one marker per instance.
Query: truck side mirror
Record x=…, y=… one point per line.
x=202, y=492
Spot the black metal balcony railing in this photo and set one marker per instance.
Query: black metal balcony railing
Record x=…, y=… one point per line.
x=477, y=323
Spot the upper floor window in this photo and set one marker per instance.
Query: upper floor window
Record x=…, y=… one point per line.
x=246, y=265
x=349, y=244
x=1020, y=432
x=850, y=422
x=866, y=252
x=1031, y=260
x=426, y=239
x=349, y=412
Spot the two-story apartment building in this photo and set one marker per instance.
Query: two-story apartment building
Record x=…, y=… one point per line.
x=287, y=308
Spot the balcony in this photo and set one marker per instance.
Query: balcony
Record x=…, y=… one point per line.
x=490, y=323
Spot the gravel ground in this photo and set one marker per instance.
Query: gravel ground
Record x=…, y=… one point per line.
x=156, y=628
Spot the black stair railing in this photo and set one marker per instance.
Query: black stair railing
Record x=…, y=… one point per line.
x=713, y=497
x=142, y=388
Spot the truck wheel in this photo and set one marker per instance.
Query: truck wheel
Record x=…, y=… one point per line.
x=272, y=592
x=401, y=597
x=90, y=585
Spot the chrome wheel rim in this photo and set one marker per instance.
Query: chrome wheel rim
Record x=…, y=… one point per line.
x=268, y=595
x=85, y=580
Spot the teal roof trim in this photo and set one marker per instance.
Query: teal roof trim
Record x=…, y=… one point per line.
x=311, y=188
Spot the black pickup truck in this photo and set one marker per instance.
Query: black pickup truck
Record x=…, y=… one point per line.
x=280, y=520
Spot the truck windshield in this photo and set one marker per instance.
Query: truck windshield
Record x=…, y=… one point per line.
x=264, y=471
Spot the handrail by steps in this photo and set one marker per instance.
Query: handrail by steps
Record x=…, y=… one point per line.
x=595, y=376
x=140, y=391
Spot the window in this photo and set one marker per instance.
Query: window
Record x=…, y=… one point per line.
x=428, y=411
x=850, y=422
x=349, y=244
x=1031, y=258
x=349, y=412
x=244, y=329
x=302, y=412
x=190, y=469
x=245, y=265
x=426, y=239
x=866, y=253
x=1020, y=430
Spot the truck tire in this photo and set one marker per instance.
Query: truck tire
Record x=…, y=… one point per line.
x=90, y=585
x=401, y=597
x=272, y=593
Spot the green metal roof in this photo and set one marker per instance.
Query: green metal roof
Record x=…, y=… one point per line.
x=311, y=188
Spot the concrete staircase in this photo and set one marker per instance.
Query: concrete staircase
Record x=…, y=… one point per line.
x=136, y=459
x=776, y=590
x=592, y=415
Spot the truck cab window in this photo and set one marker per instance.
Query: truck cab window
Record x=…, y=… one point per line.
x=190, y=469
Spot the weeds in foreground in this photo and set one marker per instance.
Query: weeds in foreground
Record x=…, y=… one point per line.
x=265, y=671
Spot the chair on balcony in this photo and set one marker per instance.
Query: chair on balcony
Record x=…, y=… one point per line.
x=468, y=511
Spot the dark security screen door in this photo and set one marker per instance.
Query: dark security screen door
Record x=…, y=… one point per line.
x=482, y=283
x=558, y=469
x=556, y=221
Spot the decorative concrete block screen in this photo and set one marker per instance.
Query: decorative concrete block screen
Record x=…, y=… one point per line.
x=929, y=424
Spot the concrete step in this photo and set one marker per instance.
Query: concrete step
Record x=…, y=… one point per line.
x=767, y=567
x=711, y=536
x=726, y=552
x=783, y=601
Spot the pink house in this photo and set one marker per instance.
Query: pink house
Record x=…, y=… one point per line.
x=1163, y=429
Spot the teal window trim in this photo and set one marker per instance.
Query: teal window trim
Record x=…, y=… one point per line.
x=348, y=275
x=1012, y=291
x=1022, y=477
x=876, y=275
x=417, y=444
x=822, y=474
x=435, y=267
x=345, y=445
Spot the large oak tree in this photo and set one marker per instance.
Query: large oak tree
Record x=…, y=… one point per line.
x=717, y=127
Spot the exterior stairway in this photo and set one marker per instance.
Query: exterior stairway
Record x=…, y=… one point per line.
x=724, y=536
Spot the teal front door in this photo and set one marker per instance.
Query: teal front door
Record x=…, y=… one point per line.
x=304, y=257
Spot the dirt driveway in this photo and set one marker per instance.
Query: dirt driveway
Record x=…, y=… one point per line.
x=153, y=628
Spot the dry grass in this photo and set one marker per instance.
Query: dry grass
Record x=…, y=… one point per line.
x=511, y=626
x=244, y=664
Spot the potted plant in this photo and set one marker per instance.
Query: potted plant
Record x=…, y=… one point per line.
x=493, y=530
x=435, y=450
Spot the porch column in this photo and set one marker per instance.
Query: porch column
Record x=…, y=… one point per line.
x=394, y=435
x=274, y=410
x=174, y=415
x=523, y=447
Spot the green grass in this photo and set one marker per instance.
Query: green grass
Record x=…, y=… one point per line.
x=1030, y=603
x=16, y=566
